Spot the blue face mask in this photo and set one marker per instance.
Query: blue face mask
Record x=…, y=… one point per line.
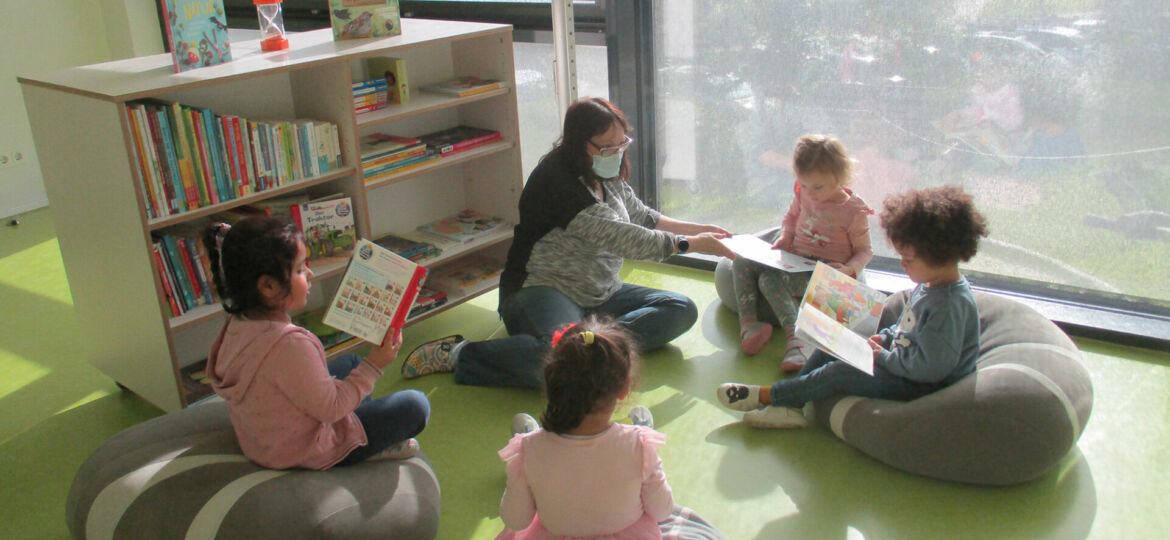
x=608, y=166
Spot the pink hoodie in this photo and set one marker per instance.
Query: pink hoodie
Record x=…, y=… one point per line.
x=287, y=411
x=833, y=232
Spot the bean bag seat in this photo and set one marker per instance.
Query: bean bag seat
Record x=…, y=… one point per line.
x=182, y=475
x=725, y=284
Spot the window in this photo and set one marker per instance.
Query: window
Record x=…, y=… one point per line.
x=1052, y=115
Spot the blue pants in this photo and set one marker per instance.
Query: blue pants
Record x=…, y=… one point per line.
x=823, y=376
x=387, y=420
x=532, y=314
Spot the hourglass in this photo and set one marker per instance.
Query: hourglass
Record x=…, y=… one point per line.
x=271, y=25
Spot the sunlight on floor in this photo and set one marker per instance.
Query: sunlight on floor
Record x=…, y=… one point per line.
x=18, y=372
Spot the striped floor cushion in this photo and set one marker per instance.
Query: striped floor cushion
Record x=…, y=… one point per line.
x=182, y=475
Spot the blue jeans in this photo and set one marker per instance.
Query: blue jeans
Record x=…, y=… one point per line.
x=823, y=376
x=532, y=314
x=387, y=420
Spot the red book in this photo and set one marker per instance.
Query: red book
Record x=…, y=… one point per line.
x=458, y=139
x=241, y=156
x=166, y=282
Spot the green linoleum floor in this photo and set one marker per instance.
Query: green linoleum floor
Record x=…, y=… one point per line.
x=55, y=409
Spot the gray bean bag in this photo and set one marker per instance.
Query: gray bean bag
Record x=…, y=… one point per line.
x=725, y=285
x=182, y=475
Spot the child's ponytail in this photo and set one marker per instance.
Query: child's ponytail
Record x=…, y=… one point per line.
x=590, y=364
x=240, y=254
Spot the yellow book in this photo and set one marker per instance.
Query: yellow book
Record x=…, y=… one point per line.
x=394, y=70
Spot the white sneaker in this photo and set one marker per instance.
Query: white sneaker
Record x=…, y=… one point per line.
x=775, y=418
x=741, y=397
x=524, y=423
x=641, y=416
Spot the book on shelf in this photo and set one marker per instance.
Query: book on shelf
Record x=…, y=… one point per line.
x=753, y=248
x=463, y=86
x=459, y=138
x=359, y=19
x=466, y=276
x=384, y=145
x=465, y=226
x=393, y=71
x=415, y=250
x=838, y=313
x=371, y=172
x=376, y=292
x=328, y=226
x=428, y=299
x=197, y=33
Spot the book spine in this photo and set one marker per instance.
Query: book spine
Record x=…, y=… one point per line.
x=222, y=165
x=181, y=281
x=229, y=144
x=165, y=278
x=168, y=15
x=166, y=139
x=408, y=297
x=163, y=202
x=321, y=142
x=244, y=147
x=400, y=153
x=263, y=166
x=473, y=142
x=183, y=154
x=192, y=246
x=215, y=154
x=334, y=133
x=141, y=165
x=369, y=108
x=241, y=158
x=393, y=166
x=393, y=158
x=198, y=157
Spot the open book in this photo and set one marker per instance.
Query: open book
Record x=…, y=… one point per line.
x=838, y=313
x=751, y=247
x=376, y=292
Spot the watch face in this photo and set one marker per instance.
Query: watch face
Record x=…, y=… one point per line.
x=683, y=245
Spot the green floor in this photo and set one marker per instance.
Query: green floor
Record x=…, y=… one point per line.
x=55, y=409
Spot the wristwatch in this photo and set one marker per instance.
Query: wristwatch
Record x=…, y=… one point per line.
x=682, y=243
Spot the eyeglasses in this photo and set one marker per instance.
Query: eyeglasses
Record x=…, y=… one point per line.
x=611, y=150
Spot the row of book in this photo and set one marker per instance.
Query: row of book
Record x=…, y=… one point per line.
x=186, y=271
x=370, y=95
x=385, y=154
x=189, y=157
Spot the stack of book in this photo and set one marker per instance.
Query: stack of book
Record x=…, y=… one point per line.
x=189, y=157
x=428, y=299
x=407, y=248
x=467, y=276
x=384, y=155
x=463, y=227
x=185, y=270
x=458, y=139
x=463, y=86
x=370, y=95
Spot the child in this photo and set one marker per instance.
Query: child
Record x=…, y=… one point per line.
x=286, y=407
x=588, y=475
x=826, y=221
x=936, y=339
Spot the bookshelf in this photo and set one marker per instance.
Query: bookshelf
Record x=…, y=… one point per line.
x=83, y=138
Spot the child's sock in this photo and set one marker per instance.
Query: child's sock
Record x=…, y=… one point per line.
x=753, y=335
x=794, y=357
x=775, y=418
x=741, y=397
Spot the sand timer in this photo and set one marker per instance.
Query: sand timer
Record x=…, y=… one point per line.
x=271, y=25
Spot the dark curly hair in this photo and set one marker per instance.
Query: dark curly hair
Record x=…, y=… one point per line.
x=941, y=224
x=255, y=246
x=585, y=119
x=581, y=376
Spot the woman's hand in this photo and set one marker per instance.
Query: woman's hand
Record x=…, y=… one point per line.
x=384, y=354
x=709, y=243
x=712, y=229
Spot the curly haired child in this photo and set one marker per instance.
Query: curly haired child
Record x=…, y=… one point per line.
x=934, y=342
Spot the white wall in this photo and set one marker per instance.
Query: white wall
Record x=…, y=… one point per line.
x=40, y=36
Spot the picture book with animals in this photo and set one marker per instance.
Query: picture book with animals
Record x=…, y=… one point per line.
x=358, y=19
x=376, y=292
x=838, y=313
x=393, y=71
x=752, y=247
x=197, y=33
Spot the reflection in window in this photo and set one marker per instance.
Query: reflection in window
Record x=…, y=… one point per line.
x=1054, y=118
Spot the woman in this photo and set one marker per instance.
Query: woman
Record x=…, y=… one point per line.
x=579, y=219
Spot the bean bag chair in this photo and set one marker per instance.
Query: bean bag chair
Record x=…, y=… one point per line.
x=182, y=475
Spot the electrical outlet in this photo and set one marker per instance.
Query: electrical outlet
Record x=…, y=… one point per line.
x=12, y=159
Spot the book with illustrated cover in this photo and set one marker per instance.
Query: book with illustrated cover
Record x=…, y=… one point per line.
x=467, y=276
x=393, y=71
x=359, y=19
x=197, y=33
x=380, y=145
x=814, y=327
x=376, y=293
x=415, y=250
x=458, y=138
x=463, y=227
x=752, y=247
x=463, y=86
x=328, y=226
x=838, y=313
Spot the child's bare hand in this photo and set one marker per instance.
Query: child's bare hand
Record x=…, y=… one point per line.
x=384, y=354
x=875, y=343
x=843, y=268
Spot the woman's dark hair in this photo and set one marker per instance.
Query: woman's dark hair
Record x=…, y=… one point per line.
x=581, y=375
x=941, y=224
x=255, y=246
x=585, y=119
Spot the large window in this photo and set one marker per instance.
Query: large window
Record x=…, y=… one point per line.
x=1053, y=114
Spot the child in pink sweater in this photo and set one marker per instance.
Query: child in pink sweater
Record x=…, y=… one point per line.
x=583, y=475
x=825, y=221
x=288, y=406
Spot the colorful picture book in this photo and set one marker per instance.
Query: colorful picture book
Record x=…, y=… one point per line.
x=819, y=329
x=384, y=145
x=752, y=247
x=845, y=299
x=376, y=293
x=197, y=33
x=359, y=19
x=328, y=226
x=463, y=86
x=458, y=139
x=414, y=250
x=393, y=72
x=463, y=227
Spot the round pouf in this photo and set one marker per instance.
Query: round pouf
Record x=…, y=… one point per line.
x=1010, y=421
x=182, y=475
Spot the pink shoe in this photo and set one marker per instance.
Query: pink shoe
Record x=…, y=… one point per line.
x=794, y=357
x=754, y=336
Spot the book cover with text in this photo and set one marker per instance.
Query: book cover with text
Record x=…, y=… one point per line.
x=376, y=292
x=197, y=33
x=358, y=19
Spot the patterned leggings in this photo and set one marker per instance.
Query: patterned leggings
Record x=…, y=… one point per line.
x=780, y=289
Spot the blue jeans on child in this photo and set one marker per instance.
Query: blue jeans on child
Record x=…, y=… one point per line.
x=533, y=314
x=823, y=376
x=387, y=420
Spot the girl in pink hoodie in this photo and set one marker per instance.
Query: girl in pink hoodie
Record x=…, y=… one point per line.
x=288, y=406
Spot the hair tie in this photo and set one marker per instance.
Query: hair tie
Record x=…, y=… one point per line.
x=556, y=339
x=221, y=230
x=587, y=337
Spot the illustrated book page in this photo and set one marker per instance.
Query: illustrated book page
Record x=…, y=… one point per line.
x=376, y=292
x=844, y=299
x=815, y=327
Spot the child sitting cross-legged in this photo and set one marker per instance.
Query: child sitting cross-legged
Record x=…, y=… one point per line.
x=935, y=340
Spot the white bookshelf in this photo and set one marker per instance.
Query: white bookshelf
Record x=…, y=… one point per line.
x=81, y=131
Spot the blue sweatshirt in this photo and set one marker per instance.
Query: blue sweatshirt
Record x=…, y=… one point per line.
x=936, y=339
